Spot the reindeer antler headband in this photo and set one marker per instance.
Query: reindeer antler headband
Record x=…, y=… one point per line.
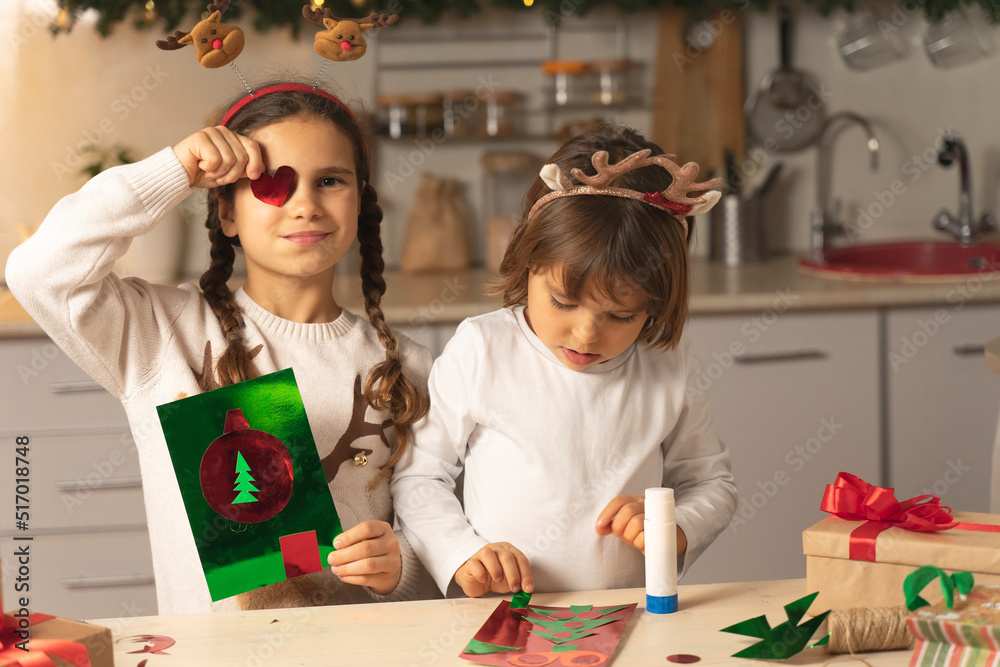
x=674, y=200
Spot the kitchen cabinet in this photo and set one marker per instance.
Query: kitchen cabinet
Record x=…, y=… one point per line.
x=943, y=402
x=795, y=397
x=89, y=552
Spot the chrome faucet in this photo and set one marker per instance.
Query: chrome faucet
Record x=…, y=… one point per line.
x=825, y=225
x=964, y=228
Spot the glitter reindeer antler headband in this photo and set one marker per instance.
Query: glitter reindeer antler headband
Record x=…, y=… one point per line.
x=674, y=200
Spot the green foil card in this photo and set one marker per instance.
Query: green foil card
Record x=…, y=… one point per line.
x=253, y=486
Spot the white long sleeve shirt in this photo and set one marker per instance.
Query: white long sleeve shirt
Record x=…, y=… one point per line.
x=545, y=448
x=145, y=343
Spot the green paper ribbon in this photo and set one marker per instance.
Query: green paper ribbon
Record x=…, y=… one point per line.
x=917, y=580
x=784, y=640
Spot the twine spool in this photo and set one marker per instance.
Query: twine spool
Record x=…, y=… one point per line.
x=862, y=629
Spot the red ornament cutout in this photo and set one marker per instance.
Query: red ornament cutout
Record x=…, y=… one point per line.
x=266, y=456
x=274, y=190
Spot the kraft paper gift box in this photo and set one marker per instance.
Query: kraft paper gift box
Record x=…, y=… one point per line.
x=843, y=582
x=63, y=641
x=860, y=556
x=968, y=634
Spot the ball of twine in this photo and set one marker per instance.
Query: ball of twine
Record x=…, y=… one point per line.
x=862, y=629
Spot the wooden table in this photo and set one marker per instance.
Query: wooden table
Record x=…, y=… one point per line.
x=432, y=633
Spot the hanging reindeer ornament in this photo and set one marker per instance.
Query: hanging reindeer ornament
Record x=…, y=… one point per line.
x=215, y=43
x=344, y=40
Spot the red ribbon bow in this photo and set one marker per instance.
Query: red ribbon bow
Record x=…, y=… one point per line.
x=38, y=656
x=854, y=499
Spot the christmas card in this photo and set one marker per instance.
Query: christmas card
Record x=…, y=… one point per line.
x=537, y=635
x=253, y=486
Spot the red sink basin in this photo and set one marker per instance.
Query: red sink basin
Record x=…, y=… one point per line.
x=907, y=259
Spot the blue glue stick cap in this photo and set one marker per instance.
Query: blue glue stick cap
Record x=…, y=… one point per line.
x=661, y=605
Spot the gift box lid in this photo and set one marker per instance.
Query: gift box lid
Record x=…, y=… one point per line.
x=953, y=549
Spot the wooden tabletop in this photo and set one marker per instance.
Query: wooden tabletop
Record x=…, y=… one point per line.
x=426, y=633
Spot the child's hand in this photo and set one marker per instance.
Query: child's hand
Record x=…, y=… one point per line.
x=217, y=156
x=496, y=568
x=624, y=518
x=368, y=555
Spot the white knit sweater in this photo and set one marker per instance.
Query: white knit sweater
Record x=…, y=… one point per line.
x=144, y=343
x=545, y=448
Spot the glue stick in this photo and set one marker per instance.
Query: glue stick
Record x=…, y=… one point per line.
x=661, y=551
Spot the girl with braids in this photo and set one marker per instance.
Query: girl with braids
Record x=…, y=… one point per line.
x=564, y=406
x=149, y=344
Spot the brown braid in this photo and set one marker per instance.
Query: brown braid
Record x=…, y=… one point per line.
x=386, y=387
x=235, y=364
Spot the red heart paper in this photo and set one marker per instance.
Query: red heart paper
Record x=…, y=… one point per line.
x=274, y=190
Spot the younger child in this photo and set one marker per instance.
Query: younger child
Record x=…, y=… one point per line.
x=563, y=407
x=148, y=344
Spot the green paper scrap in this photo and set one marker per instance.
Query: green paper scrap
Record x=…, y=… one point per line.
x=917, y=580
x=477, y=647
x=784, y=640
x=520, y=600
x=241, y=556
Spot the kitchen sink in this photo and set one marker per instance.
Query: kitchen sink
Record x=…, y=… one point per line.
x=906, y=260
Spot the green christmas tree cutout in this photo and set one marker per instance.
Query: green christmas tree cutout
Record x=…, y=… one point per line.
x=569, y=626
x=244, y=482
x=784, y=640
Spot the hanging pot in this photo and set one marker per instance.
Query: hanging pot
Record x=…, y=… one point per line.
x=787, y=111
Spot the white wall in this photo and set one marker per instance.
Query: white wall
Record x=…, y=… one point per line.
x=60, y=93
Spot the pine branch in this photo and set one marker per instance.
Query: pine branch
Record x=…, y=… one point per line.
x=281, y=14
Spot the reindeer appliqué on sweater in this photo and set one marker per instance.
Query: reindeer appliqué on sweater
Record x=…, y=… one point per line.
x=358, y=428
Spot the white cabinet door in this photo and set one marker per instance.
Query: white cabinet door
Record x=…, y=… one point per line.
x=795, y=397
x=943, y=403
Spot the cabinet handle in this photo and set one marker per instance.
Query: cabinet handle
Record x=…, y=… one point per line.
x=70, y=387
x=793, y=355
x=969, y=350
x=104, y=582
x=113, y=483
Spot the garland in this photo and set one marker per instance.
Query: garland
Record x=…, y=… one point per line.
x=169, y=14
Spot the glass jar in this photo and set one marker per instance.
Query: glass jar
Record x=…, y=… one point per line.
x=428, y=114
x=396, y=119
x=507, y=177
x=566, y=81
x=503, y=113
x=460, y=108
x=612, y=81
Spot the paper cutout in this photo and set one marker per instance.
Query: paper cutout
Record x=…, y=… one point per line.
x=264, y=423
x=476, y=647
x=274, y=190
x=520, y=600
x=683, y=658
x=300, y=553
x=917, y=581
x=784, y=640
x=244, y=481
x=243, y=447
x=538, y=635
x=156, y=644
